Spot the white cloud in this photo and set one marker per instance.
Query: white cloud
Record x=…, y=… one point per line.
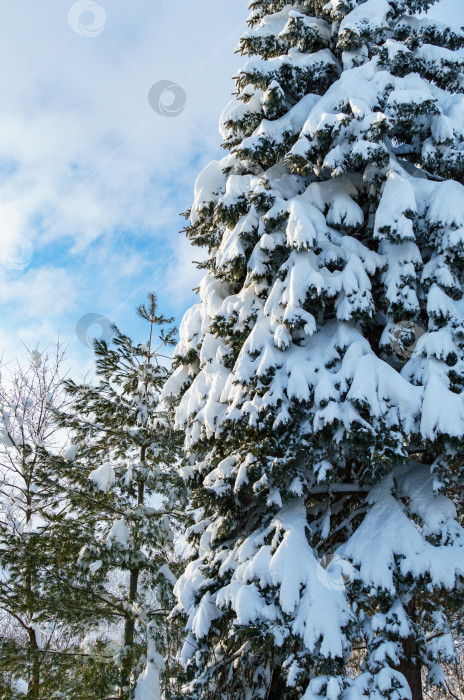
x=89, y=173
x=34, y=289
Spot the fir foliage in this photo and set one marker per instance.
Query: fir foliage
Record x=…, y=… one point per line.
x=125, y=499
x=319, y=379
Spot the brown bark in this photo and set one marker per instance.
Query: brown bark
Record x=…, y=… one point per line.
x=34, y=680
x=411, y=669
x=410, y=665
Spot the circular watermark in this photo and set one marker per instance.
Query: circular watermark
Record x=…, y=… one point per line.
x=87, y=18
x=84, y=325
x=18, y=253
x=404, y=337
x=167, y=98
x=334, y=572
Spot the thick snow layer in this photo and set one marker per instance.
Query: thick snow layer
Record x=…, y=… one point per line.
x=398, y=199
x=103, y=477
x=291, y=122
x=148, y=683
x=388, y=534
x=290, y=566
x=270, y=25
x=208, y=186
x=120, y=533
x=330, y=323
x=70, y=453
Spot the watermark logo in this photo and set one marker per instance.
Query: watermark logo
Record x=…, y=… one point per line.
x=167, y=98
x=87, y=18
x=18, y=253
x=93, y=321
x=404, y=337
x=334, y=572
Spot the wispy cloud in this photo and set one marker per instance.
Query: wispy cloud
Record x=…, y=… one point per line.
x=90, y=174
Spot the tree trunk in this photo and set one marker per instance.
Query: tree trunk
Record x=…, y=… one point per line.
x=411, y=669
x=129, y=629
x=278, y=689
x=278, y=686
x=410, y=665
x=33, y=689
x=129, y=625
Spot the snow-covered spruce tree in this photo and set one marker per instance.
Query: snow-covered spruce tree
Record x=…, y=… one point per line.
x=317, y=430
x=118, y=476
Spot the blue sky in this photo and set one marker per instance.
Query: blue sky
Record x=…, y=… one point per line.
x=92, y=178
